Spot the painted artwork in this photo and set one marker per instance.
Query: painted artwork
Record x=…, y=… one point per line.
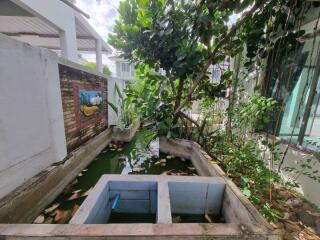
x=90, y=103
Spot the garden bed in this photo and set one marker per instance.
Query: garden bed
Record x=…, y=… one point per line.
x=298, y=215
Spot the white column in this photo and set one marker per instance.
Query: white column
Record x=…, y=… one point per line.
x=68, y=44
x=99, y=55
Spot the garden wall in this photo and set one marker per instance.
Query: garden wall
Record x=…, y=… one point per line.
x=49, y=106
x=31, y=119
x=84, y=100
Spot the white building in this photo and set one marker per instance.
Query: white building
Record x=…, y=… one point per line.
x=54, y=24
x=123, y=75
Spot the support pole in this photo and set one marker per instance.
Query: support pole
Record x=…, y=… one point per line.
x=99, y=55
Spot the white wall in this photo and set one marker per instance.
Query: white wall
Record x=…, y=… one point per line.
x=309, y=188
x=31, y=118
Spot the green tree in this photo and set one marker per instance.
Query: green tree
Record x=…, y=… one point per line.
x=93, y=66
x=185, y=37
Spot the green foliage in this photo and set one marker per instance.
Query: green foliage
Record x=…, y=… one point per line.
x=127, y=113
x=113, y=107
x=93, y=65
x=270, y=213
x=243, y=159
x=254, y=113
x=153, y=102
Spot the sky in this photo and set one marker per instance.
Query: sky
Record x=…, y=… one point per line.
x=103, y=14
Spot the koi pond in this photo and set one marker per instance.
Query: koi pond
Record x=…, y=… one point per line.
x=140, y=156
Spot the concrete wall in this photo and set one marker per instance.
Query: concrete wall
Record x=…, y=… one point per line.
x=31, y=120
x=294, y=159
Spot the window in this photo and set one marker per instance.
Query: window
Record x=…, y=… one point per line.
x=216, y=75
x=125, y=67
x=294, y=82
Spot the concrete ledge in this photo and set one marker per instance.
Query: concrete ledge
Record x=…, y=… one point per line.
x=26, y=202
x=206, y=166
x=182, y=231
x=125, y=135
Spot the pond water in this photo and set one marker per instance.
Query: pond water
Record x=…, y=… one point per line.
x=140, y=156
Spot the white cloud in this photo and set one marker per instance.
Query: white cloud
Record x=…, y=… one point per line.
x=103, y=14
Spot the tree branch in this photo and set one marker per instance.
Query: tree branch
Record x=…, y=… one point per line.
x=212, y=54
x=183, y=115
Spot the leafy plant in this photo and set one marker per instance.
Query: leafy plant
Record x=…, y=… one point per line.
x=127, y=113
x=153, y=102
x=243, y=159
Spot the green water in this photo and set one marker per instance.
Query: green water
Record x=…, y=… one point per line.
x=134, y=158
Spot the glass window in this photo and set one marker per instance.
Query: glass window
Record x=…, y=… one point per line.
x=216, y=75
x=125, y=67
x=291, y=78
x=311, y=138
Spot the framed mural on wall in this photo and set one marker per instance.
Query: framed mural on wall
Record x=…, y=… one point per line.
x=91, y=103
x=90, y=107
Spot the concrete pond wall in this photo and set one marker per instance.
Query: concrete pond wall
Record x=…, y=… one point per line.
x=155, y=194
x=26, y=202
x=243, y=210
x=164, y=196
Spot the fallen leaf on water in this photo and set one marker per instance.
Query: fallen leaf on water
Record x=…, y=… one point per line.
x=48, y=220
x=62, y=216
x=176, y=219
x=75, y=209
x=160, y=162
x=138, y=169
x=86, y=193
x=191, y=168
x=52, y=208
x=208, y=218
x=39, y=219
x=74, y=196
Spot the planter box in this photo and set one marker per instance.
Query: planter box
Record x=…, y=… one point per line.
x=125, y=135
